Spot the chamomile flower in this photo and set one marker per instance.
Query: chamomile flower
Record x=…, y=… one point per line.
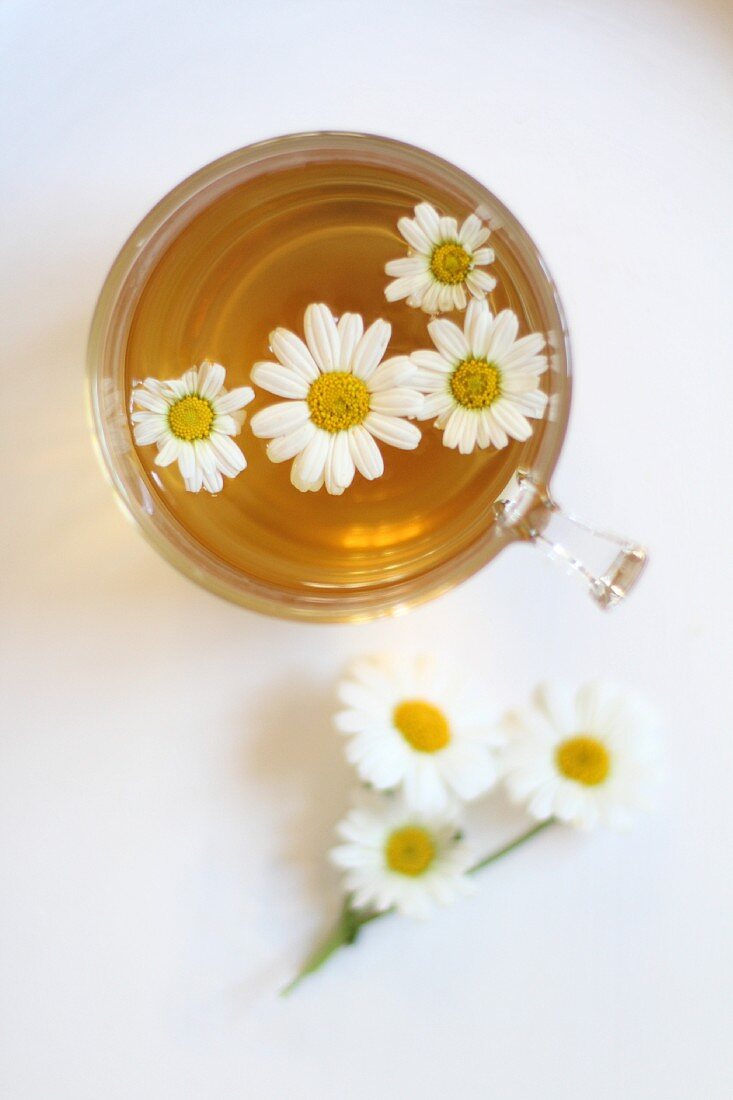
x=413, y=724
x=444, y=263
x=395, y=858
x=191, y=420
x=586, y=757
x=340, y=396
x=482, y=384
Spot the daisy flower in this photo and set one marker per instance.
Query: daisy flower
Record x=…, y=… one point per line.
x=413, y=725
x=340, y=398
x=481, y=383
x=443, y=263
x=395, y=858
x=191, y=420
x=585, y=757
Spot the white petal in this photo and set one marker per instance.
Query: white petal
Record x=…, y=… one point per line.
x=213, y=481
x=392, y=430
x=445, y=299
x=473, y=232
x=427, y=218
x=279, y=419
x=393, y=372
x=228, y=423
x=291, y=444
x=153, y=402
x=169, y=452
x=234, y=400
x=449, y=340
x=205, y=457
x=195, y=482
x=429, y=381
x=292, y=352
x=406, y=266
x=483, y=256
x=531, y=404
x=455, y=427
x=370, y=349
x=210, y=379
x=321, y=336
x=365, y=453
x=400, y=401
x=448, y=229
x=350, y=330
x=405, y=286
x=512, y=421
x=499, y=438
x=187, y=462
x=340, y=467
x=283, y=381
x=414, y=235
x=430, y=300
x=503, y=334
x=469, y=429
x=432, y=361
x=228, y=455
x=190, y=381
x=480, y=282
x=149, y=430
x=483, y=430
x=459, y=296
x=304, y=486
x=523, y=350
x=435, y=404
x=310, y=463
x=477, y=327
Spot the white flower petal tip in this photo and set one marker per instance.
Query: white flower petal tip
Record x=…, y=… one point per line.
x=443, y=269
x=587, y=757
x=393, y=857
x=412, y=724
x=340, y=398
x=191, y=421
x=482, y=384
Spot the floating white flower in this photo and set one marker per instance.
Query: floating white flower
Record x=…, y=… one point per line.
x=340, y=398
x=587, y=757
x=412, y=724
x=444, y=262
x=396, y=858
x=482, y=383
x=191, y=420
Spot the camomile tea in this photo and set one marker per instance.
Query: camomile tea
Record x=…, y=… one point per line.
x=386, y=343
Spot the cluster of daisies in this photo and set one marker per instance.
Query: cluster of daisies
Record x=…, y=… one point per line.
x=422, y=746
x=480, y=382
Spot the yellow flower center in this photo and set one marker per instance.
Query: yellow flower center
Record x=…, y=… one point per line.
x=584, y=759
x=450, y=263
x=410, y=850
x=191, y=418
x=476, y=383
x=338, y=401
x=422, y=725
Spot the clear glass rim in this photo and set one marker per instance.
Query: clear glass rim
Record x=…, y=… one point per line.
x=122, y=470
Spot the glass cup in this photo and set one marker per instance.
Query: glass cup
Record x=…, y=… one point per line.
x=609, y=566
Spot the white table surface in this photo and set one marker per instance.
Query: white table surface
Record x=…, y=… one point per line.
x=168, y=781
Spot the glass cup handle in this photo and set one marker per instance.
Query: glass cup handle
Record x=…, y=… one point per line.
x=608, y=565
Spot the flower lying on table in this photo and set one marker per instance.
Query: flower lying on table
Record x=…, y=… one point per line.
x=583, y=757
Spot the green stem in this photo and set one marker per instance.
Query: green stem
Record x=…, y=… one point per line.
x=351, y=921
x=516, y=843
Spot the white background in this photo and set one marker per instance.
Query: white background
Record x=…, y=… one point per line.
x=169, y=782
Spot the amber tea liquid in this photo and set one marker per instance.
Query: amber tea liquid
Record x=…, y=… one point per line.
x=253, y=260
